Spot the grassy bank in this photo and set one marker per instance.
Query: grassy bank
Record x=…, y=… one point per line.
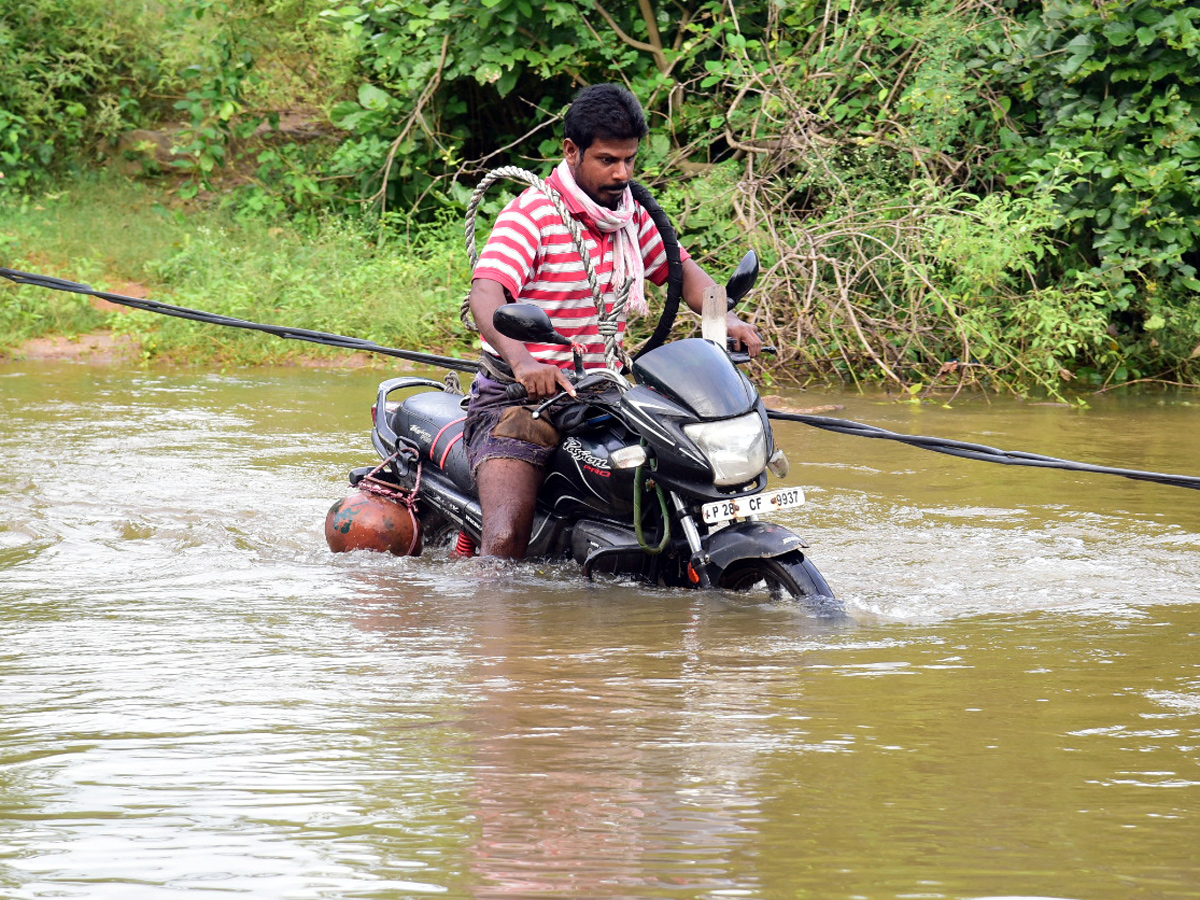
x=943, y=194
x=118, y=235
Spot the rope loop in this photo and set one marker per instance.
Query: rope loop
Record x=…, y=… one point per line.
x=372, y=485
x=609, y=320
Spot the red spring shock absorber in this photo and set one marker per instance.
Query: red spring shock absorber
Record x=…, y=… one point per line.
x=465, y=545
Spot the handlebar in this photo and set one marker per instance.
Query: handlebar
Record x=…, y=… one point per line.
x=516, y=390
x=739, y=357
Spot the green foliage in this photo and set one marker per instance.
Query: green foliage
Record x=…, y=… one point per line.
x=73, y=75
x=333, y=276
x=451, y=83
x=216, y=89
x=1104, y=119
x=76, y=74
x=1107, y=120
x=945, y=192
x=232, y=102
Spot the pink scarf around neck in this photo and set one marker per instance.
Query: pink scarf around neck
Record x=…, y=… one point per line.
x=627, y=252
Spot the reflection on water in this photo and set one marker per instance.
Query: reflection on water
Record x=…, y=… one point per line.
x=198, y=697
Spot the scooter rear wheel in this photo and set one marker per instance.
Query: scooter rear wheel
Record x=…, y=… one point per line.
x=790, y=574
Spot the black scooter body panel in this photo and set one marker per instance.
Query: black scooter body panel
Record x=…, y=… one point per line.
x=582, y=479
x=433, y=421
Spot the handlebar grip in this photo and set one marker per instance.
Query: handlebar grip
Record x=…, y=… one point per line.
x=731, y=344
x=740, y=357
x=516, y=391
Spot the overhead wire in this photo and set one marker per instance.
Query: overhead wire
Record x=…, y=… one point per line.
x=197, y=315
x=962, y=449
x=981, y=452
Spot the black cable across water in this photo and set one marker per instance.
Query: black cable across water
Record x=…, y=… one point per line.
x=981, y=452
x=962, y=449
x=197, y=315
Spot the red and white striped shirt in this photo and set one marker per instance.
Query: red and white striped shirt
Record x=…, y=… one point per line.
x=533, y=256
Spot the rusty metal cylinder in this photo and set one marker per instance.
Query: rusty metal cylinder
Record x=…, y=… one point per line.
x=366, y=521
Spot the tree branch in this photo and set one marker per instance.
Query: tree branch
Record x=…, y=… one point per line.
x=655, y=46
x=413, y=120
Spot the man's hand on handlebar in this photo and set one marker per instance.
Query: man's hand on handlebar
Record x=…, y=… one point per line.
x=542, y=380
x=745, y=336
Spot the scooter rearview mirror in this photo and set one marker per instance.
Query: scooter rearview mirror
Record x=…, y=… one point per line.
x=743, y=279
x=527, y=323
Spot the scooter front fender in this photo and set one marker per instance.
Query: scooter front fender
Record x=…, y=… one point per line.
x=746, y=540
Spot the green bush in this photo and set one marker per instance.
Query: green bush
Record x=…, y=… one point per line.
x=73, y=75
x=1106, y=116
x=950, y=191
x=453, y=87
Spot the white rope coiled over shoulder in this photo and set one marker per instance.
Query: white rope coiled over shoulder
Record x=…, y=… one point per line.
x=609, y=322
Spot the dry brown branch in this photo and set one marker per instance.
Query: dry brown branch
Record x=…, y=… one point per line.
x=655, y=47
x=416, y=117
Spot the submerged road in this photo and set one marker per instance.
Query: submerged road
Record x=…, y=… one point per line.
x=197, y=696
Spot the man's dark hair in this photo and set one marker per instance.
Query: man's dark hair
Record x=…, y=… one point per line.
x=605, y=111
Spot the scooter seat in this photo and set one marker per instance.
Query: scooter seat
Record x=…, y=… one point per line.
x=433, y=420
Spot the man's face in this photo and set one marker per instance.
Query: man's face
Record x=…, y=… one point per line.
x=604, y=169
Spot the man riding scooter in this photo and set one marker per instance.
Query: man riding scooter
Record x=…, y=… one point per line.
x=532, y=258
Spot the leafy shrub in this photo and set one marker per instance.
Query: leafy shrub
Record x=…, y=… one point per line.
x=1107, y=121
x=453, y=87
x=257, y=60
x=1112, y=116
x=73, y=75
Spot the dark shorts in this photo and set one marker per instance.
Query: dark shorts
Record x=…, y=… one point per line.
x=488, y=406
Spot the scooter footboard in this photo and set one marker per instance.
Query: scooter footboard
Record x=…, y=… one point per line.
x=747, y=540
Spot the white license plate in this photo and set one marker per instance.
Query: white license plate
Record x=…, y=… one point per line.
x=757, y=504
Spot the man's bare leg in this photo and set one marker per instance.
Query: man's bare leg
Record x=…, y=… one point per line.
x=508, y=494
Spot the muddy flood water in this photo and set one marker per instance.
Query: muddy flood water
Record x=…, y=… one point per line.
x=200, y=700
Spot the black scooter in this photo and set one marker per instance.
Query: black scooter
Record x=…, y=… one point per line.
x=660, y=478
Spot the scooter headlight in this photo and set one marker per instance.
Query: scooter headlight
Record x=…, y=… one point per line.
x=735, y=448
